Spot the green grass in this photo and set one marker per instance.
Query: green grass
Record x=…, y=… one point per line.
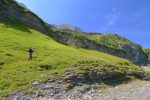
x=112, y=40
x=17, y=74
x=147, y=51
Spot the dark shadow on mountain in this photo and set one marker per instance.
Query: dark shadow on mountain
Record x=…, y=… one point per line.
x=110, y=82
x=118, y=81
x=16, y=24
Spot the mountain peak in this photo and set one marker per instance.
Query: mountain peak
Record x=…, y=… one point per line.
x=67, y=28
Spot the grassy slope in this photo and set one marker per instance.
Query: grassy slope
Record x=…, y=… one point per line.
x=148, y=52
x=16, y=73
x=112, y=40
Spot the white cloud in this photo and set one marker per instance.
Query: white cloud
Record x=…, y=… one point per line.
x=113, y=9
x=112, y=18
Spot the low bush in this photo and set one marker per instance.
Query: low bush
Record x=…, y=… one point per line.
x=1, y=63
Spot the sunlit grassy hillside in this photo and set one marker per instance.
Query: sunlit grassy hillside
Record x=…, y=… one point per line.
x=17, y=73
x=112, y=40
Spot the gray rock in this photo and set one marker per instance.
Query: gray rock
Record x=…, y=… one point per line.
x=37, y=94
x=36, y=83
x=16, y=98
x=44, y=76
x=51, y=80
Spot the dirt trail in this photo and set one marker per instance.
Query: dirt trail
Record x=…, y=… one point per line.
x=137, y=90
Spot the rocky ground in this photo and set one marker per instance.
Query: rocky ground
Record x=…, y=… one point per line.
x=137, y=90
x=55, y=90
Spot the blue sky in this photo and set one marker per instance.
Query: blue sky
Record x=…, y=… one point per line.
x=128, y=18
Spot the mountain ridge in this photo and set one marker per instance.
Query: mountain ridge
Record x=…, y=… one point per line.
x=10, y=10
x=131, y=51
x=59, y=58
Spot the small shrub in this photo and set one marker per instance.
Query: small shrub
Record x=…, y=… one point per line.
x=46, y=67
x=1, y=63
x=103, y=86
x=87, y=88
x=69, y=86
x=115, y=98
x=4, y=85
x=8, y=54
x=41, y=94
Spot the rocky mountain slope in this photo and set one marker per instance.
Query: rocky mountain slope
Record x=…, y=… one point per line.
x=122, y=47
x=112, y=44
x=9, y=9
x=71, y=66
x=67, y=28
x=71, y=29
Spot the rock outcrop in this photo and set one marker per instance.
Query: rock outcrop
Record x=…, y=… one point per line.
x=71, y=29
x=121, y=48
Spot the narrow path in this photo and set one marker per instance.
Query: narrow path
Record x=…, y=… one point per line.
x=137, y=90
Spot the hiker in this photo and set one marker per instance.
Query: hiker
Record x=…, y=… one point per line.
x=30, y=53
